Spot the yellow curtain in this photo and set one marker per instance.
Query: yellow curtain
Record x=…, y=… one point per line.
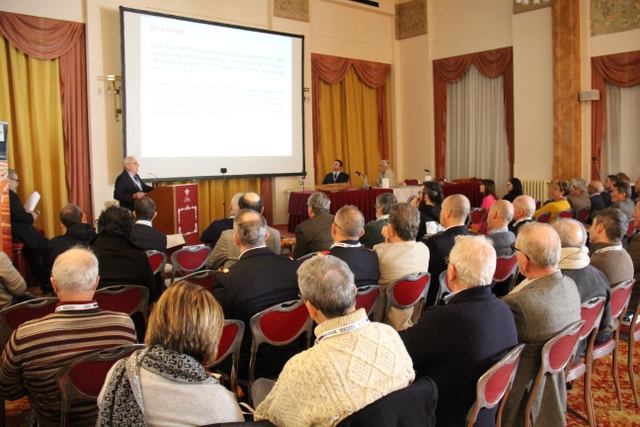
x=349, y=128
x=210, y=196
x=30, y=100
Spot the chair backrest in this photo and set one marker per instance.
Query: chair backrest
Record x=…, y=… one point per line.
x=506, y=267
x=591, y=312
x=82, y=380
x=278, y=325
x=583, y=214
x=368, y=297
x=567, y=213
x=442, y=287
x=128, y=299
x=188, y=259
x=157, y=260
x=408, y=290
x=229, y=345
x=411, y=182
x=544, y=217
x=15, y=315
x=204, y=278
x=630, y=228
x=620, y=296
x=477, y=215
x=495, y=384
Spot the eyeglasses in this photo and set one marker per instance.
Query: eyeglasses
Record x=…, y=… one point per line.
x=339, y=228
x=15, y=179
x=513, y=248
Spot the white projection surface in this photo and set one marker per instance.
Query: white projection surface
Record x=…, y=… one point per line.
x=200, y=96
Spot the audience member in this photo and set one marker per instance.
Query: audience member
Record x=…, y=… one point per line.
x=143, y=234
x=373, y=230
x=314, y=234
x=607, y=253
x=608, y=187
x=498, y=220
x=347, y=227
x=353, y=363
x=429, y=203
x=455, y=210
x=514, y=189
x=39, y=348
x=578, y=197
x=337, y=176
x=211, y=235
x=456, y=343
x=399, y=256
x=167, y=376
x=13, y=288
x=621, y=199
x=559, y=202
x=129, y=187
x=78, y=233
x=23, y=231
x=121, y=262
x=634, y=190
x=634, y=253
x=595, y=191
x=488, y=190
x=543, y=304
x=225, y=253
x=259, y=280
x=575, y=263
x=386, y=172
x=523, y=209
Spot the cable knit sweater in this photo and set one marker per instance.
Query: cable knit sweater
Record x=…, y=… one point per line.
x=339, y=375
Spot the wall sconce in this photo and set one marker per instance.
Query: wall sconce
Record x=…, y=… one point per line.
x=114, y=87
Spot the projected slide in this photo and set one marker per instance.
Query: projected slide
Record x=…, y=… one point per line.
x=200, y=96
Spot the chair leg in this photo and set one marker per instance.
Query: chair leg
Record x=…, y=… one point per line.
x=588, y=396
x=632, y=375
x=3, y=421
x=616, y=379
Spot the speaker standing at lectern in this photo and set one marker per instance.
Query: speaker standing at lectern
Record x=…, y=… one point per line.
x=337, y=176
x=129, y=186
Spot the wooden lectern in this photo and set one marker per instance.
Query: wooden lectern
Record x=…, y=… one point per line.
x=177, y=207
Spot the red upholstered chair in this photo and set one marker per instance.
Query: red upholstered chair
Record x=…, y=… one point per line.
x=157, y=260
x=368, y=297
x=278, y=325
x=14, y=316
x=543, y=217
x=204, y=278
x=443, y=289
x=478, y=216
x=506, y=270
x=494, y=386
x=538, y=204
x=189, y=259
x=556, y=354
x=229, y=345
x=568, y=213
x=591, y=312
x=630, y=228
x=408, y=291
x=82, y=380
x=583, y=214
x=128, y=299
x=620, y=295
x=630, y=332
x=411, y=182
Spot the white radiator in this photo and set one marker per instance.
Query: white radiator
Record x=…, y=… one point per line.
x=539, y=189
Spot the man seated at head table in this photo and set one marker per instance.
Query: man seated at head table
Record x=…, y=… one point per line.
x=456, y=343
x=386, y=172
x=353, y=363
x=39, y=348
x=543, y=304
x=373, y=230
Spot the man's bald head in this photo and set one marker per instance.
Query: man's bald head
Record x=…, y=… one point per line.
x=572, y=233
x=500, y=214
x=523, y=207
x=455, y=210
x=251, y=201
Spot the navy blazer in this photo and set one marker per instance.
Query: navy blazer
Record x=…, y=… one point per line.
x=22, y=229
x=342, y=177
x=125, y=189
x=455, y=344
x=213, y=232
x=362, y=262
x=440, y=244
x=148, y=238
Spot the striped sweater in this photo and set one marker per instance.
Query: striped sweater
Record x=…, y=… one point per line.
x=39, y=348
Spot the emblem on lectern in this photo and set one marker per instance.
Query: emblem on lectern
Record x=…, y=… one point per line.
x=187, y=199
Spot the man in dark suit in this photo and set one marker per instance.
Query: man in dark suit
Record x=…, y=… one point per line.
x=259, y=280
x=542, y=305
x=453, y=215
x=211, y=235
x=129, y=187
x=500, y=214
x=23, y=231
x=595, y=190
x=373, y=230
x=523, y=209
x=314, y=234
x=337, y=176
x=78, y=233
x=347, y=227
x=144, y=235
x=456, y=343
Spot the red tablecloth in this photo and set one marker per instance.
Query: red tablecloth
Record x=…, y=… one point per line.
x=363, y=199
